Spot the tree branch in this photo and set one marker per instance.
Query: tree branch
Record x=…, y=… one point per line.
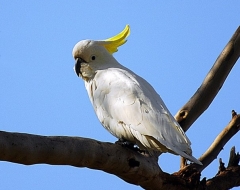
x=212, y=83
x=129, y=165
x=229, y=177
x=234, y=158
x=230, y=130
x=226, y=179
x=212, y=152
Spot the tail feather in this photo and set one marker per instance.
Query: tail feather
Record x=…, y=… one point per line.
x=191, y=158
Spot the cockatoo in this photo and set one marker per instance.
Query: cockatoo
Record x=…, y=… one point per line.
x=126, y=104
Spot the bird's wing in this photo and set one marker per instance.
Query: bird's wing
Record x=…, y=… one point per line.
x=123, y=97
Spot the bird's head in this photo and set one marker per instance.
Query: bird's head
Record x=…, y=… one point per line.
x=91, y=55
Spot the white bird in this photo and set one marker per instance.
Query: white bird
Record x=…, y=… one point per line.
x=126, y=104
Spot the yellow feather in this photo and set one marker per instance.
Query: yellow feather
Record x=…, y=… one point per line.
x=112, y=44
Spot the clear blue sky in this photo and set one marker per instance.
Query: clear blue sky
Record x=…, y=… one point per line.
x=172, y=45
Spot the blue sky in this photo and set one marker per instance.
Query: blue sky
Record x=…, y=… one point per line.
x=172, y=45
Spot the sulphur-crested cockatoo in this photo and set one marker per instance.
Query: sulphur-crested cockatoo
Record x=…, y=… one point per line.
x=126, y=104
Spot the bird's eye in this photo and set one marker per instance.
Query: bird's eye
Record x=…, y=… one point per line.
x=93, y=57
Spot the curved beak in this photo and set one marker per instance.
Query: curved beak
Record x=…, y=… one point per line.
x=77, y=67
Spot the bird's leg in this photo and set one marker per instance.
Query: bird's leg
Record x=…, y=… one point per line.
x=127, y=144
x=132, y=146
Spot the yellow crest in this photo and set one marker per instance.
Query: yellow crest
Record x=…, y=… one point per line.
x=112, y=44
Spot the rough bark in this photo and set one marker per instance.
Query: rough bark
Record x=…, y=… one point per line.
x=229, y=177
x=130, y=165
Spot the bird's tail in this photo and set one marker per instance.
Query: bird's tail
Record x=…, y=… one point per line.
x=191, y=158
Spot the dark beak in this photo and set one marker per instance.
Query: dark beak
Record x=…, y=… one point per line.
x=78, y=63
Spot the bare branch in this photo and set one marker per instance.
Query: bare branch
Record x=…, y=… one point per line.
x=212, y=83
x=212, y=152
x=221, y=166
x=125, y=163
x=229, y=177
x=230, y=130
x=129, y=165
x=234, y=158
x=225, y=180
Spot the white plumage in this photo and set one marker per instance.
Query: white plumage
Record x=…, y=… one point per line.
x=126, y=104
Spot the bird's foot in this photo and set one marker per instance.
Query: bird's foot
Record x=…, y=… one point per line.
x=127, y=144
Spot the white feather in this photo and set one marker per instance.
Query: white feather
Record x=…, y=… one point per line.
x=130, y=109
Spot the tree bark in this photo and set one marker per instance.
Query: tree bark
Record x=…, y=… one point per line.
x=229, y=177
